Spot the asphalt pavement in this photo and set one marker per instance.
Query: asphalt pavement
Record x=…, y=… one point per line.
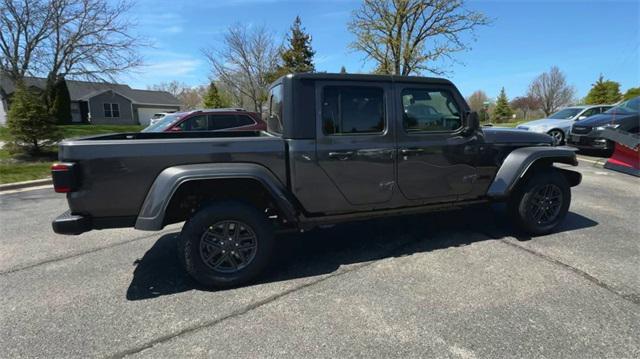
x=459, y=284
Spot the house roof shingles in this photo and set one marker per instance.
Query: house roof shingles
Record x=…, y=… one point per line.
x=83, y=90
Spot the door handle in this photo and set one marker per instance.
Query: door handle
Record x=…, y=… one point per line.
x=341, y=155
x=411, y=151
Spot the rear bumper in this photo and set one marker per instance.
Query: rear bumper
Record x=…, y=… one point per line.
x=73, y=224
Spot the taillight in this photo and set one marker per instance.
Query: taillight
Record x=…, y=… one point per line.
x=64, y=177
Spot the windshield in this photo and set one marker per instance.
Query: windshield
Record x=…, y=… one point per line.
x=629, y=106
x=162, y=124
x=565, y=114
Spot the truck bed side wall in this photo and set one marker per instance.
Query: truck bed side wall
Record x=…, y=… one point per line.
x=116, y=175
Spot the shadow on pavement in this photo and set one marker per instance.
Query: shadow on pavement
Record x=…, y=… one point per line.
x=319, y=252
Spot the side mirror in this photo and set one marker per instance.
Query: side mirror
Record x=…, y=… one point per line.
x=582, y=117
x=175, y=129
x=472, y=122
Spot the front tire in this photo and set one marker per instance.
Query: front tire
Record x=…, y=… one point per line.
x=557, y=136
x=226, y=244
x=541, y=203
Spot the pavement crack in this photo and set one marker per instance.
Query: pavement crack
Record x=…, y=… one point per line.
x=633, y=298
x=79, y=254
x=257, y=304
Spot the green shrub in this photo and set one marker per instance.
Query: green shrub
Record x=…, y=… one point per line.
x=31, y=128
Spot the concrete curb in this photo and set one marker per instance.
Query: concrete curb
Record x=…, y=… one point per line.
x=25, y=184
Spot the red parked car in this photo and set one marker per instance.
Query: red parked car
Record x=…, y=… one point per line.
x=220, y=119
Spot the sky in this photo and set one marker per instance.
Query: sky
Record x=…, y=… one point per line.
x=583, y=38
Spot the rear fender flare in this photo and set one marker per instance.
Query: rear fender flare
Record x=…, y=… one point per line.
x=520, y=160
x=152, y=212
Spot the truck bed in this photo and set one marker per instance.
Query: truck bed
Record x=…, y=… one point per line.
x=117, y=170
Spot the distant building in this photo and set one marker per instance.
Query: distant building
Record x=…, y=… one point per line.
x=99, y=102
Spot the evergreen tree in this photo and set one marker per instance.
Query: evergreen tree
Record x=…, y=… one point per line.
x=298, y=57
x=59, y=105
x=343, y=70
x=30, y=125
x=603, y=92
x=213, y=98
x=631, y=93
x=502, y=111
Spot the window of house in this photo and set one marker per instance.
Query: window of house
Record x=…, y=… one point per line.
x=352, y=110
x=111, y=110
x=426, y=110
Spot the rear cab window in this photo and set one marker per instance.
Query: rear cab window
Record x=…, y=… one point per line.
x=352, y=110
x=274, y=118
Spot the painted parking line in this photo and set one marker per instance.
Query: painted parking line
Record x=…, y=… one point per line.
x=10, y=191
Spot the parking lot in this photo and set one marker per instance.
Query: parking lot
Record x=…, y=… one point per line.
x=459, y=284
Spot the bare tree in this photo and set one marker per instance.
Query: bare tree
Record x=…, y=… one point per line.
x=526, y=104
x=190, y=97
x=173, y=87
x=24, y=26
x=477, y=100
x=248, y=57
x=76, y=38
x=91, y=39
x=552, y=90
x=410, y=36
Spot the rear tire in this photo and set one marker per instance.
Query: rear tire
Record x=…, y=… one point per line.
x=226, y=244
x=541, y=203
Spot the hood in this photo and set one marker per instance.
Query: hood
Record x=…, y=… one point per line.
x=507, y=135
x=547, y=123
x=605, y=118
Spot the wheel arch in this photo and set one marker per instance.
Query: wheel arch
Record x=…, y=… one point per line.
x=180, y=190
x=523, y=161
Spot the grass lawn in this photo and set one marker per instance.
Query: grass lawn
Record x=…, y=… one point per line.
x=14, y=170
x=17, y=170
x=70, y=131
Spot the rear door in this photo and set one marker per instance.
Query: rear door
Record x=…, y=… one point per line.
x=435, y=160
x=355, y=142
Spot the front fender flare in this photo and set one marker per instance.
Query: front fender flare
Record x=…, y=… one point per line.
x=516, y=164
x=152, y=213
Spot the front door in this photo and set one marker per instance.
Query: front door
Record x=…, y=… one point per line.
x=435, y=159
x=355, y=142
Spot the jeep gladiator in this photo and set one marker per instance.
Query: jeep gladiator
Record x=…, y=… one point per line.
x=338, y=147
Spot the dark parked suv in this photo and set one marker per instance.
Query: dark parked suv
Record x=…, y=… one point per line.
x=220, y=119
x=339, y=147
x=585, y=133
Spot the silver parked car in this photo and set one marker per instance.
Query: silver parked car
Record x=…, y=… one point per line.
x=558, y=125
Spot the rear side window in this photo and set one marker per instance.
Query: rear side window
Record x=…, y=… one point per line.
x=244, y=120
x=348, y=110
x=428, y=110
x=221, y=122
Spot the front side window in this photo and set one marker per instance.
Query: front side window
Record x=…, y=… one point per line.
x=111, y=110
x=428, y=110
x=348, y=110
x=195, y=123
x=566, y=114
x=590, y=112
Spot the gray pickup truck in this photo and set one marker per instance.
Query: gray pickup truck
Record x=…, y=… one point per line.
x=338, y=148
